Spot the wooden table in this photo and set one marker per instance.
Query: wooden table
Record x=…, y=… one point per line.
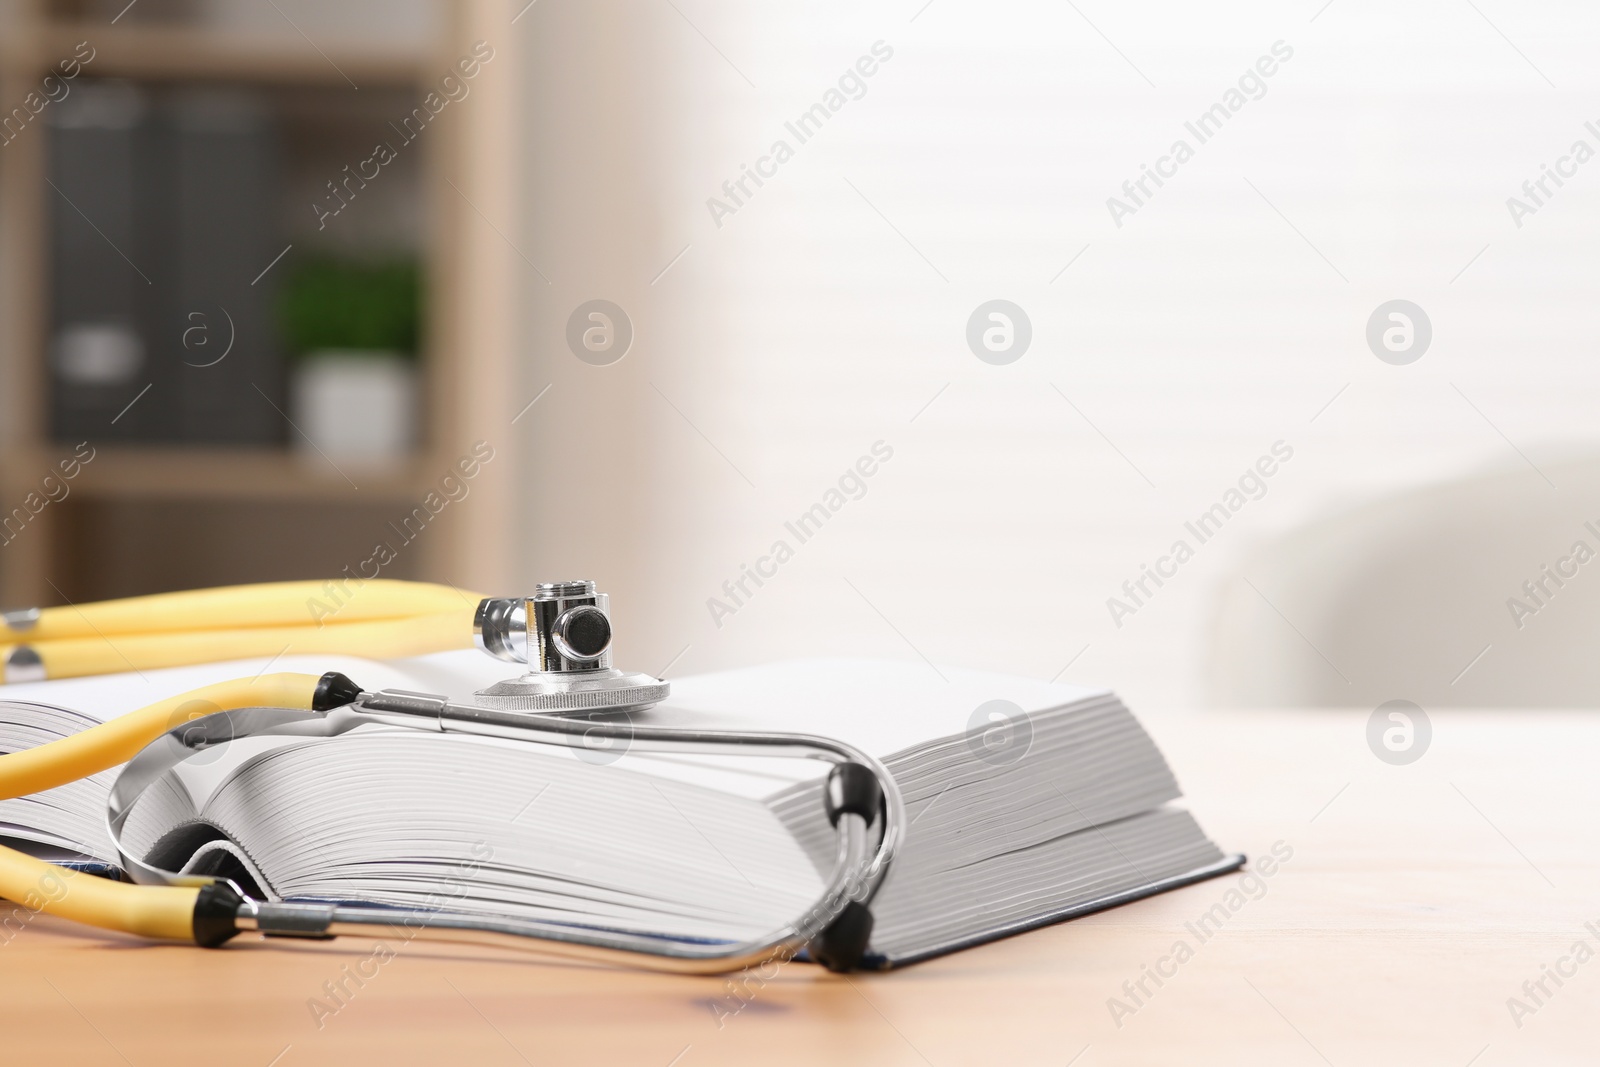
x=1417, y=901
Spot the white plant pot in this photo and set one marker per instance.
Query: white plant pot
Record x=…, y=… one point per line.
x=354, y=404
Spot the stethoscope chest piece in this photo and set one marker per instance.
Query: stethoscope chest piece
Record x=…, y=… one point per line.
x=563, y=632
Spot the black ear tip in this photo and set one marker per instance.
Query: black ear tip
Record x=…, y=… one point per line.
x=216, y=910
x=842, y=945
x=334, y=690
x=852, y=789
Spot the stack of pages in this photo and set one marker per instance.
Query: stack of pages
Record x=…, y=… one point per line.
x=1026, y=803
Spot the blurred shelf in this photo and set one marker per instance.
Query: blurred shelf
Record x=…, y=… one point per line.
x=174, y=53
x=217, y=515
x=216, y=473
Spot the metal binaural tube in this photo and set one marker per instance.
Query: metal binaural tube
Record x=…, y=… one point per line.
x=836, y=927
x=500, y=628
x=431, y=712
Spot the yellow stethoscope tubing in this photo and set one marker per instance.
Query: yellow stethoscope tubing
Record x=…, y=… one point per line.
x=385, y=638
x=289, y=604
x=166, y=912
x=380, y=619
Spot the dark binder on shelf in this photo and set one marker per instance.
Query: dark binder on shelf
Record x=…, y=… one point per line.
x=104, y=300
x=163, y=219
x=224, y=175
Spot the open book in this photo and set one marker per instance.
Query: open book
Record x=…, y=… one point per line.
x=1026, y=803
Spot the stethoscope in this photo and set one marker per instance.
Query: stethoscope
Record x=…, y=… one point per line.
x=571, y=697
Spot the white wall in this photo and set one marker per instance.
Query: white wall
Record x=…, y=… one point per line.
x=826, y=313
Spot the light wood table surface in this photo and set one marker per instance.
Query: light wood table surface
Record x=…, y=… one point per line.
x=1417, y=901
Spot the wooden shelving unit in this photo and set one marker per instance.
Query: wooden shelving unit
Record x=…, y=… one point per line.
x=170, y=53
x=466, y=357
x=177, y=473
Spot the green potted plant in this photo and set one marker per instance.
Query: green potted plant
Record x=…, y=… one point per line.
x=352, y=327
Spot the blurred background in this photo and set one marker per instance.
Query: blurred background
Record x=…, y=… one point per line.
x=714, y=287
